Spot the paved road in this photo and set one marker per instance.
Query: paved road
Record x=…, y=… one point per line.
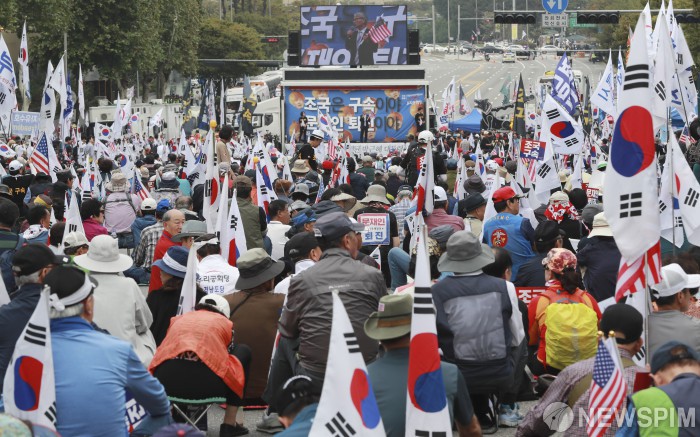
x=249, y=418
x=488, y=77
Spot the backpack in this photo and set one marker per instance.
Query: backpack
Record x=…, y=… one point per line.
x=6, y=257
x=572, y=329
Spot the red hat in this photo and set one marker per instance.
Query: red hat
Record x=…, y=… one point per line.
x=499, y=161
x=328, y=165
x=503, y=194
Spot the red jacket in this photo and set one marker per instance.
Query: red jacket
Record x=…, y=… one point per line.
x=165, y=243
x=93, y=228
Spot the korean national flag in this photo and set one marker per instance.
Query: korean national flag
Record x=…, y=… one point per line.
x=232, y=234
x=29, y=391
x=347, y=406
x=631, y=196
x=427, y=412
x=687, y=193
x=8, y=83
x=559, y=130
x=72, y=216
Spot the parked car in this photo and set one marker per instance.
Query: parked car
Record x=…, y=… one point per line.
x=509, y=57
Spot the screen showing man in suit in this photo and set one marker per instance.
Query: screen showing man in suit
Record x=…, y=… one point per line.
x=354, y=35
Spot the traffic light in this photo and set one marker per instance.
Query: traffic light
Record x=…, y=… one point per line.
x=597, y=17
x=413, y=47
x=686, y=18
x=514, y=17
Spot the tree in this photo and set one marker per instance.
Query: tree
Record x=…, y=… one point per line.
x=179, y=39
x=222, y=40
x=9, y=18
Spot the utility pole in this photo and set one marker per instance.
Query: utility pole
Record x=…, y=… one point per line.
x=448, y=26
x=433, y=7
x=459, y=22
x=516, y=27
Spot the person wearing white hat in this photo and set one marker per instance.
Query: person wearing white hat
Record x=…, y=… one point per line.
x=148, y=218
x=121, y=209
x=120, y=307
x=168, y=188
x=439, y=216
x=75, y=244
x=18, y=182
x=672, y=298
x=307, y=151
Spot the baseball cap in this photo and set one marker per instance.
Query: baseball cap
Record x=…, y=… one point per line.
x=492, y=165
x=300, y=245
x=670, y=352
x=298, y=205
x=547, y=231
x=75, y=239
x=34, y=257
x=305, y=216
x=216, y=301
x=296, y=387
x=334, y=225
x=440, y=194
x=673, y=280
x=625, y=320
x=148, y=204
x=243, y=182
x=503, y=194
x=163, y=205
x=15, y=165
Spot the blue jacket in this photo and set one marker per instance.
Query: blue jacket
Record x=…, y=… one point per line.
x=514, y=233
x=13, y=318
x=93, y=371
x=301, y=427
x=139, y=225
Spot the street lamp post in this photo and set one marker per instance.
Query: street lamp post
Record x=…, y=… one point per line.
x=448, y=26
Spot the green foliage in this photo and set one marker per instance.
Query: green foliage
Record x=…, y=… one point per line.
x=222, y=40
x=270, y=26
x=9, y=18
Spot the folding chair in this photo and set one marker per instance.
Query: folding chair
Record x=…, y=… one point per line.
x=194, y=409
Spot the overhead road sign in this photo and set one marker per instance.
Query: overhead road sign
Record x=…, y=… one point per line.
x=555, y=6
x=555, y=20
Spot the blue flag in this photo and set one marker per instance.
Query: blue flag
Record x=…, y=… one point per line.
x=68, y=111
x=564, y=87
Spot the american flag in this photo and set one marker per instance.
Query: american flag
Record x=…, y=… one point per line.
x=40, y=157
x=631, y=276
x=529, y=163
x=608, y=388
x=685, y=136
x=139, y=189
x=333, y=148
x=380, y=31
x=321, y=189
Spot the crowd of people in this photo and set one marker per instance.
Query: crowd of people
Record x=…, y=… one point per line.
x=260, y=332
